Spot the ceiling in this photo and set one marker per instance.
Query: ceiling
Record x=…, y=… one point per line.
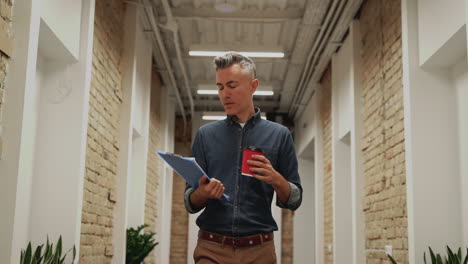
x=307, y=31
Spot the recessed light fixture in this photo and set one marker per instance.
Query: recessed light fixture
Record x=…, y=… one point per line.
x=245, y=53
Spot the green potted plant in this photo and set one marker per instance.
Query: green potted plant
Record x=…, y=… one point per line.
x=139, y=244
x=451, y=258
x=49, y=256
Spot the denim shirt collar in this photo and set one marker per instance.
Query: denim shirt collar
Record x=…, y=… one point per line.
x=232, y=119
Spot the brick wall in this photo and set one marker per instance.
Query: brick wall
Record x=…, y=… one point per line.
x=287, y=232
x=154, y=162
x=6, y=7
x=179, y=226
x=325, y=117
x=103, y=134
x=383, y=139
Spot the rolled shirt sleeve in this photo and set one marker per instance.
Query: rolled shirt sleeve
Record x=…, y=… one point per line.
x=294, y=199
x=188, y=205
x=288, y=167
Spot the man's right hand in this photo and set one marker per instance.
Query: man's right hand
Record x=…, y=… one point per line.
x=206, y=190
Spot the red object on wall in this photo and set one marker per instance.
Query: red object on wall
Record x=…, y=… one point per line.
x=247, y=155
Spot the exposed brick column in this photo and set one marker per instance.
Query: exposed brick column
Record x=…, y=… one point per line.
x=325, y=116
x=103, y=134
x=383, y=140
x=179, y=226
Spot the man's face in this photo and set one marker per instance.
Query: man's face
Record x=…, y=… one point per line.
x=235, y=89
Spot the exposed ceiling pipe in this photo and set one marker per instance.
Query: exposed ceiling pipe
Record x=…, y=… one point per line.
x=335, y=40
x=330, y=19
x=172, y=25
x=148, y=8
x=319, y=55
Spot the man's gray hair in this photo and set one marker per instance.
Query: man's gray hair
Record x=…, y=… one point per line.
x=231, y=58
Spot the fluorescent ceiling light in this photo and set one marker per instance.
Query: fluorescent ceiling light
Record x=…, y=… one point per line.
x=207, y=92
x=265, y=93
x=260, y=93
x=248, y=54
x=207, y=89
x=213, y=116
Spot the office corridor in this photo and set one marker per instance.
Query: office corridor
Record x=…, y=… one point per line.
x=374, y=93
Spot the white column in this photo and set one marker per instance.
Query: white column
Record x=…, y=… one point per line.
x=60, y=140
x=460, y=77
x=357, y=170
x=192, y=226
x=342, y=73
x=124, y=157
x=319, y=184
x=140, y=129
x=304, y=219
x=166, y=179
x=431, y=143
x=14, y=167
x=464, y=147
x=304, y=250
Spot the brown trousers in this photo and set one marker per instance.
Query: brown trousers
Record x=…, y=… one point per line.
x=208, y=252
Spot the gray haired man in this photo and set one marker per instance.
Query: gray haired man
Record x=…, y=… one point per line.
x=240, y=230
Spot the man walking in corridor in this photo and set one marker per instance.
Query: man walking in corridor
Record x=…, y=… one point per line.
x=240, y=230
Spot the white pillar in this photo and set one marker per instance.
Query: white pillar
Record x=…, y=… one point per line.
x=62, y=99
x=124, y=158
x=166, y=179
x=304, y=219
x=431, y=143
x=140, y=129
x=357, y=170
x=14, y=167
x=342, y=89
x=319, y=173
x=464, y=170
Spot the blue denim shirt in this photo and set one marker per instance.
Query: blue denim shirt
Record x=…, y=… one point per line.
x=218, y=150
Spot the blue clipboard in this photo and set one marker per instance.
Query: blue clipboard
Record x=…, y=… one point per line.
x=187, y=168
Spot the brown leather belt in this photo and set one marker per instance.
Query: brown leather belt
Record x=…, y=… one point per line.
x=246, y=241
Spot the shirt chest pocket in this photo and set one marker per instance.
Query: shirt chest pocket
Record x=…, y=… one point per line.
x=272, y=155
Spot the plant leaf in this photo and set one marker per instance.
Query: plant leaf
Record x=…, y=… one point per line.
x=433, y=257
x=74, y=254
x=58, y=250
x=439, y=259
x=27, y=256
x=466, y=257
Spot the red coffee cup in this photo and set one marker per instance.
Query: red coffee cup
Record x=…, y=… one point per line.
x=247, y=155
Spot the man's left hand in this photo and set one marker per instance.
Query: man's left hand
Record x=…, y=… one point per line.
x=262, y=170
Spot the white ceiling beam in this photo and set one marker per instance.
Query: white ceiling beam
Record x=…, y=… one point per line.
x=268, y=13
